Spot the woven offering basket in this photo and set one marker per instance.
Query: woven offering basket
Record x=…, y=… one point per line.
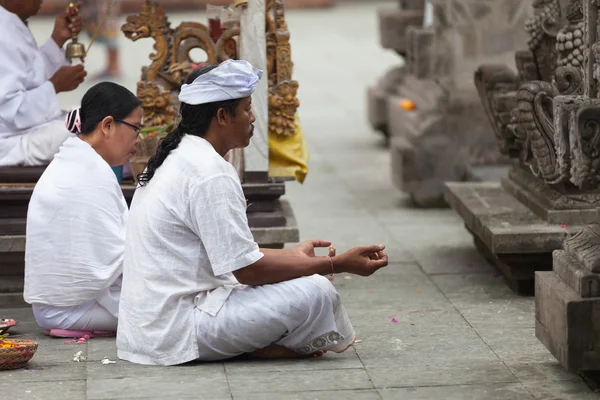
x=18, y=354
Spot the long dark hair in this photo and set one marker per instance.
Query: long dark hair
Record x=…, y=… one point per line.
x=100, y=101
x=195, y=120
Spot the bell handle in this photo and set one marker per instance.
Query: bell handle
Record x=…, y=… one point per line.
x=72, y=12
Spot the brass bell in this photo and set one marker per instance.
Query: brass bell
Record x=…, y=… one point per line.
x=74, y=48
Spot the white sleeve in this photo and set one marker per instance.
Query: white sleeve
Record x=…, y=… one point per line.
x=218, y=217
x=22, y=108
x=54, y=57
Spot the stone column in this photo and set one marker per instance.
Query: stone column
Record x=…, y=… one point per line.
x=567, y=299
x=393, y=26
x=253, y=48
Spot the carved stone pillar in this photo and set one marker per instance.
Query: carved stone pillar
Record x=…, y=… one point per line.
x=547, y=119
x=393, y=27
x=567, y=303
x=438, y=128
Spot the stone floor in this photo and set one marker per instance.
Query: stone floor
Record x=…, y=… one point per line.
x=435, y=324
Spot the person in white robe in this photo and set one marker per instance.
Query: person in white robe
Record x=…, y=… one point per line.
x=31, y=120
x=77, y=216
x=195, y=283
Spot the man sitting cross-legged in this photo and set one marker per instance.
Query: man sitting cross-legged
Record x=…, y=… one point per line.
x=195, y=283
x=32, y=126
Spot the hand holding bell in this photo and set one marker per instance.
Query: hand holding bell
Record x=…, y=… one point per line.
x=74, y=48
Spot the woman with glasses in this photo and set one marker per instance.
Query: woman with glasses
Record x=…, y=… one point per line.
x=77, y=216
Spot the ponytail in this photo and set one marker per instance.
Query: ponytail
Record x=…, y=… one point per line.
x=166, y=145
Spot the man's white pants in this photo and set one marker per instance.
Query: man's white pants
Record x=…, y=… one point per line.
x=304, y=315
x=38, y=146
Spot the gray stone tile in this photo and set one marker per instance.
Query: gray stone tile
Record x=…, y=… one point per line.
x=346, y=360
x=98, y=348
x=284, y=381
x=478, y=287
x=421, y=235
x=124, y=369
x=209, y=384
x=524, y=354
x=414, y=346
x=346, y=233
x=561, y=390
x=447, y=258
x=498, y=391
x=313, y=395
x=486, y=302
x=49, y=371
x=58, y=353
x=18, y=314
x=60, y=390
x=458, y=372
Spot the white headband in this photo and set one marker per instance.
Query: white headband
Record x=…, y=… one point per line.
x=232, y=79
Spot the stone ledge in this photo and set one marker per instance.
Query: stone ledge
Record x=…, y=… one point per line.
x=12, y=244
x=507, y=233
x=279, y=235
x=551, y=205
x=504, y=225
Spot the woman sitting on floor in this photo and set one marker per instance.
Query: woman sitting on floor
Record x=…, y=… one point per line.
x=76, y=221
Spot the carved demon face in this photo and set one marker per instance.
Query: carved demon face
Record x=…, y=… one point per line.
x=136, y=28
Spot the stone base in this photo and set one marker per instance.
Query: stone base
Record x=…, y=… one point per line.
x=423, y=176
x=567, y=324
x=437, y=141
x=556, y=207
x=376, y=110
x=511, y=236
x=377, y=99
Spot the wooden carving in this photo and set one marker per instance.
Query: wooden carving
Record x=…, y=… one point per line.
x=170, y=62
x=283, y=102
x=156, y=104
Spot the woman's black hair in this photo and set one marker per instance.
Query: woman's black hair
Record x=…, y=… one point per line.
x=100, y=101
x=195, y=120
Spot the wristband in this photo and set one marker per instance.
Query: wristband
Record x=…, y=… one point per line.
x=331, y=262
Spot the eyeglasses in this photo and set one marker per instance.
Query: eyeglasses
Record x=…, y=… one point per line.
x=137, y=129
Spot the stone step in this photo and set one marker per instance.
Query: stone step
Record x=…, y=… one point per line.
x=12, y=300
x=11, y=284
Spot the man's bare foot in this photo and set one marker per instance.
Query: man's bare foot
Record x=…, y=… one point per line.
x=276, y=351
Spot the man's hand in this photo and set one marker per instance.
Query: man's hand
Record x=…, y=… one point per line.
x=68, y=78
x=362, y=260
x=307, y=248
x=65, y=26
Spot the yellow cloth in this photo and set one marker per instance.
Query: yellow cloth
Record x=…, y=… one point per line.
x=288, y=155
